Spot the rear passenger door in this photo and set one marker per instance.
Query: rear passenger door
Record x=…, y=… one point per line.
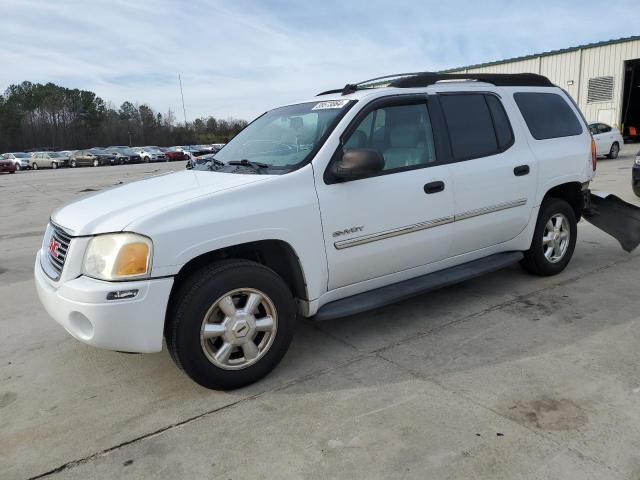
x=494, y=176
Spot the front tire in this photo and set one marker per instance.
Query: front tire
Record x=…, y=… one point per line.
x=96, y=163
x=230, y=324
x=54, y=165
x=614, y=151
x=73, y=164
x=34, y=166
x=554, y=239
x=18, y=167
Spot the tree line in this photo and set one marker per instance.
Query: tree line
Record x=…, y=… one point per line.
x=41, y=116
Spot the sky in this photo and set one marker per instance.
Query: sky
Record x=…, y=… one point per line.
x=240, y=58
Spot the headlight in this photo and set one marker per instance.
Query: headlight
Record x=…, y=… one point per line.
x=638, y=160
x=118, y=256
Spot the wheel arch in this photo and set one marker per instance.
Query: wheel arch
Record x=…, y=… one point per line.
x=571, y=192
x=277, y=255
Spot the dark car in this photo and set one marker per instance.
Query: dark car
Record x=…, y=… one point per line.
x=7, y=165
x=124, y=155
x=93, y=157
x=635, y=175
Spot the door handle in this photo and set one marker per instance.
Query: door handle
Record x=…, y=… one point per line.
x=521, y=170
x=434, y=187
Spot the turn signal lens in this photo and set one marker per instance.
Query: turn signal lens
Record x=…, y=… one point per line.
x=593, y=154
x=133, y=259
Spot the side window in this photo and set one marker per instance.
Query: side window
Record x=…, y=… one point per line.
x=504, y=133
x=547, y=115
x=402, y=134
x=593, y=128
x=602, y=128
x=470, y=126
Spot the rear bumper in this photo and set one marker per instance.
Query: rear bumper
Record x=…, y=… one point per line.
x=8, y=168
x=81, y=307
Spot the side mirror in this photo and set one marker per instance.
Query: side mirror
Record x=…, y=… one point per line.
x=357, y=163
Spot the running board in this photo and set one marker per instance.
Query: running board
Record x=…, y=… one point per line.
x=415, y=286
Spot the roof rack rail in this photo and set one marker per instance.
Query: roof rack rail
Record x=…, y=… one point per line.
x=498, y=79
x=424, y=79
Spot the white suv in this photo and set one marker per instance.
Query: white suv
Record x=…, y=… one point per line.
x=345, y=202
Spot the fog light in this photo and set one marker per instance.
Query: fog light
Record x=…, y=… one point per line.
x=122, y=294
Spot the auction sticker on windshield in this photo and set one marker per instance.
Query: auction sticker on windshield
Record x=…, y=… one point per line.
x=330, y=104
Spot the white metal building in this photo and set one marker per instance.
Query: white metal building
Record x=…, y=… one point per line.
x=603, y=77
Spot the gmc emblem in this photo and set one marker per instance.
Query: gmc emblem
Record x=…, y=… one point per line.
x=53, y=247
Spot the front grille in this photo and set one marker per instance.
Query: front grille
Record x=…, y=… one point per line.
x=57, y=249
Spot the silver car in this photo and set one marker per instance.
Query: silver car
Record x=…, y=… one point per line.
x=20, y=159
x=49, y=160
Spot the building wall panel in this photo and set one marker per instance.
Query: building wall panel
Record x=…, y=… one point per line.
x=572, y=71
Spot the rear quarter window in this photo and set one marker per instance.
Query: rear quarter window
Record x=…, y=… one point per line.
x=547, y=115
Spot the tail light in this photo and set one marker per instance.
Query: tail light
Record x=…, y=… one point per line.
x=593, y=154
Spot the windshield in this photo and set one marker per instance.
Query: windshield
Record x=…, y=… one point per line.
x=55, y=154
x=22, y=155
x=284, y=137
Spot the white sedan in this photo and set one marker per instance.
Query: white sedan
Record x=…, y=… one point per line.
x=608, y=139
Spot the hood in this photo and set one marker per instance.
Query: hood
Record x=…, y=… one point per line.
x=112, y=210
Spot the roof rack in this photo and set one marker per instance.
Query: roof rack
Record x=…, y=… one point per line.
x=424, y=79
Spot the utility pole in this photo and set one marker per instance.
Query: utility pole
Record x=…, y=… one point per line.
x=184, y=111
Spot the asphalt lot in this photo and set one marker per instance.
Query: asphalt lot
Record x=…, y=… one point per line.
x=506, y=376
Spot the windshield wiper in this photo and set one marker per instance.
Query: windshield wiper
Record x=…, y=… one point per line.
x=257, y=166
x=215, y=164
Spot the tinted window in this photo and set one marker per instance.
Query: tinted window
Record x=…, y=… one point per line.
x=402, y=134
x=602, y=128
x=470, y=126
x=547, y=115
x=504, y=134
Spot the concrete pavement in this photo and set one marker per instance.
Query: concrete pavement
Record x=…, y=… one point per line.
x=505, y=376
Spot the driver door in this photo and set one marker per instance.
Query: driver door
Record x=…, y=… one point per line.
x=401, y=217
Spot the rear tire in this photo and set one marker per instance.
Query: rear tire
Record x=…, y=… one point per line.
x=223, y=360
x=614, y=151
x=73, y=164
x=554, y=239
x=96, y=163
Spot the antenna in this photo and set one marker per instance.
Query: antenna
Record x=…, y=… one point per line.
x=184, y=111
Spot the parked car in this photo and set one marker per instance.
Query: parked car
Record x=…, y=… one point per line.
x=635, y=175
x=175, y=154
x=49, y=160
x=324, y=208
x=608, y=140
x=7, y=165
x=151, y=154
x=19, y=159
x=124, y=155
x=91, y=157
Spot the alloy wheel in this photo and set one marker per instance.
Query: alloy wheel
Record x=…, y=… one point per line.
x=238, y=329
x=556, y=236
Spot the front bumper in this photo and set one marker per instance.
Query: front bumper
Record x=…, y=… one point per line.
x=80, y=305
x=7, y=167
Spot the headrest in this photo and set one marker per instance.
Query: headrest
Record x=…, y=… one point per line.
x=404, y=137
